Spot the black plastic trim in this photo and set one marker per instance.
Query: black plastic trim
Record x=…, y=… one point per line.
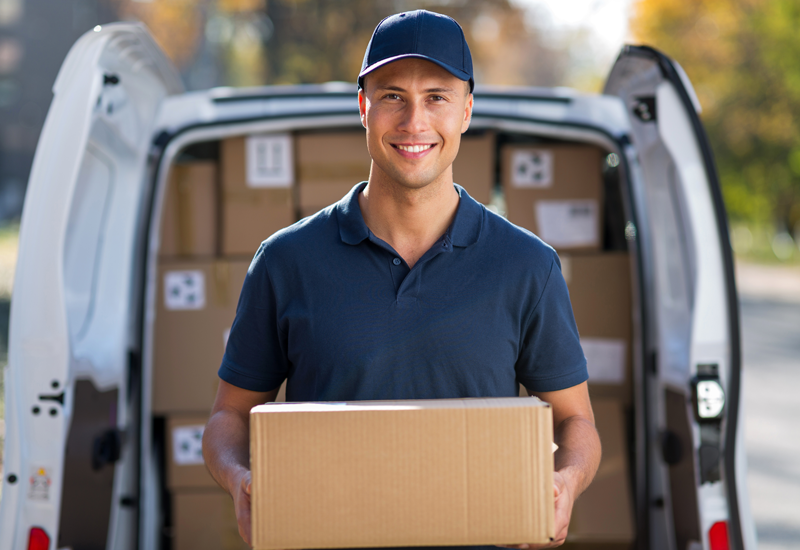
x=733, y=394
x=235, y=98
x=285, y=95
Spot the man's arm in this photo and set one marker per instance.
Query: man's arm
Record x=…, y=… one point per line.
x=578, y=454
x=226, y=445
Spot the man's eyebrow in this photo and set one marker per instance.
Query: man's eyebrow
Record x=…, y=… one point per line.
x=439, y=90
x=391, y=88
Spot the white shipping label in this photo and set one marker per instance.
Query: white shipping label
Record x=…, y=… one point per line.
x=269, y=161
x=184, y=290
x=567, y=223
x=532, y=168
x=605, y=358
x=187, y=445
x=39, y=483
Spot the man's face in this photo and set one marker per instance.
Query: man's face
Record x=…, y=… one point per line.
x=414, y=112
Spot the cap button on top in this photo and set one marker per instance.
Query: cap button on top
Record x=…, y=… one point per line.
x=396, y=261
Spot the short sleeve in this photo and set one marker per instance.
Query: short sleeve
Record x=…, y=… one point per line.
x=551, y=357
x=255, y=357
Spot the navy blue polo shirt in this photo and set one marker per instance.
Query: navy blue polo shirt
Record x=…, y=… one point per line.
x=336, y=311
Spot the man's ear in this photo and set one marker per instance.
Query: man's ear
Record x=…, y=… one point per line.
x=362, y=107
x=467, y=114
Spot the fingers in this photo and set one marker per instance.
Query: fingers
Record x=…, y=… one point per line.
x=242, y=504
x=247, y=481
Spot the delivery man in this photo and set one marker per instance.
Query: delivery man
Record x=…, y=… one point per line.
x=407, y=288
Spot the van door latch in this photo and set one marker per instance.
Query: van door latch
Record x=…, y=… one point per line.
x=707, y=394
x=57, y=398
x=708, y=398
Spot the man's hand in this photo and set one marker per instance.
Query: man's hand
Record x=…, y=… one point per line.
x=563, y=503
x=226, y=446
x=241, y=502
x=577, y=457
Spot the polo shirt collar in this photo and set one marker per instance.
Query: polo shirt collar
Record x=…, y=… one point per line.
x=467, y=225
x=352, y=228
x=464, y=231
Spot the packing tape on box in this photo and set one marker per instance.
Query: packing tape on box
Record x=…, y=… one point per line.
x=256, y=197
x=185, y=212
x=222, y=283
x=350, y=171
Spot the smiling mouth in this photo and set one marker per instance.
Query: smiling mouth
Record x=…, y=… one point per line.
x=413, y=148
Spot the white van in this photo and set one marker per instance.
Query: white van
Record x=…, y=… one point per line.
x=89, y=455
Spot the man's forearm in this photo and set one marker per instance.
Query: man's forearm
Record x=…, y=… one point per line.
x=226, y=448
x=578, y=454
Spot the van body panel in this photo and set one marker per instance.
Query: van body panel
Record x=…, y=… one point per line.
x=694, y=312
x=71, y=311
x=84, y=307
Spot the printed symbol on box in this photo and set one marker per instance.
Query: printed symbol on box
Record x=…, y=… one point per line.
x=269, y=161
x=187, y=445
x=184, y=290
x=39, y=488
x=532, y=168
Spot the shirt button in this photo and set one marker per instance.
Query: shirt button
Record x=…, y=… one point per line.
x=396, y=261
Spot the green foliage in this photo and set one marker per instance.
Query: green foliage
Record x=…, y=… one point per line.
x=742, y=57
x=314, y=41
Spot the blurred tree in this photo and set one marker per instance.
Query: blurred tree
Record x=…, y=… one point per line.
x=255, y=42
x=741, y=56
x=176, y=25
x=323, y=40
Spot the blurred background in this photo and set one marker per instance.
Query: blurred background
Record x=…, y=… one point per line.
x=741, y=55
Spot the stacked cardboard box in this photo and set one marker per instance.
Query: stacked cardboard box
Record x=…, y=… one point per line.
x=600, y=290
x=203, y=515
x=189, y=220
x=402, y=473
x=257, y=196
x=604, y=512
x=205, y=520
x=196, y=304
x=556, y=192
x=474, y=166
x=329, y=164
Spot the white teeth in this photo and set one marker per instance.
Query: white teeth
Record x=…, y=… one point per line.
x=414, y=148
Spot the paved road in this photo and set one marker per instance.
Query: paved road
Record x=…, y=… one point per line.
x=771, y=386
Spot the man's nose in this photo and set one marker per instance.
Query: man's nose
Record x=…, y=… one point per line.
x=415, y=119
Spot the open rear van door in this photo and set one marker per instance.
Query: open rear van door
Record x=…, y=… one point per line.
x=71, y=466
x=694, y=494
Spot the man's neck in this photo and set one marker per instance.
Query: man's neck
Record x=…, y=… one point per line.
x=410, y=220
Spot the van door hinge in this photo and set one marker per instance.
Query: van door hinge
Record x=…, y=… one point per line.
x=644, y=108
x=106, y=448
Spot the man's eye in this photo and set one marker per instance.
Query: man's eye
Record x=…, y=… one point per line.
x=392, y=96
x=437, y=98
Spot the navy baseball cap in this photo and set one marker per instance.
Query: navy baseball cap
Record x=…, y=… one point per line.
x=423, y=34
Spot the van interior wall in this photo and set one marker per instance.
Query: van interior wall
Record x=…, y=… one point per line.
x=224, y=197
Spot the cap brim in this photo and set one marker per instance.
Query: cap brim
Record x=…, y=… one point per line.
x=461, y=75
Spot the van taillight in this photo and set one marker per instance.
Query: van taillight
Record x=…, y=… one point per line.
x=718, y=536
x=38, y=539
